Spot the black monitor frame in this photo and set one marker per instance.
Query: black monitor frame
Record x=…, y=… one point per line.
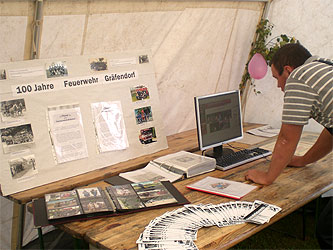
x=217, y=145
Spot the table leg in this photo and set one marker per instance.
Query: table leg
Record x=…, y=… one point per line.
x=17, y=226
x=40, y=236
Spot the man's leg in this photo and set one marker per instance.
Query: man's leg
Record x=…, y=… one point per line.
x=324, y=226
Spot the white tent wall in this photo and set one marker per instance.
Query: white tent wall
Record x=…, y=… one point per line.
x=198, y=47
x=309, y=21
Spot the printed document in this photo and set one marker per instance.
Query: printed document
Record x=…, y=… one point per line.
x=67, y=135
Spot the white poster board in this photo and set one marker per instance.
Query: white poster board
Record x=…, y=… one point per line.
x=67, y=116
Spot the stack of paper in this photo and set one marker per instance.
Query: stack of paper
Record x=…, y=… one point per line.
x=178, y=229
x=265, y=131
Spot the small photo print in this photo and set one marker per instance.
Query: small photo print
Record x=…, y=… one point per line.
x=56, y=69
x=139, y=93
x=12, y=110
x=147, y=135
x=143, y=59
x=126, y=196
x=123, y=190
x=3, y=75
x=98, y=64
x=17, y=135
x=153, y=193
x=94, y=205
x=89, y=192
x=63, y=212
x=62, y=198
x=143, y=115
x=23, y=166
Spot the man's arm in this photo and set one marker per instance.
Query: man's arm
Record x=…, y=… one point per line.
x=322, y=147
x=284, y=150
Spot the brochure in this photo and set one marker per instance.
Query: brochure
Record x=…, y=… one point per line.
x=231, y=189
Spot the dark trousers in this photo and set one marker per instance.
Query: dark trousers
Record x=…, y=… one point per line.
x=324, y=225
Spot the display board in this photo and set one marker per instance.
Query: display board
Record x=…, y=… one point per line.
x=67, y=116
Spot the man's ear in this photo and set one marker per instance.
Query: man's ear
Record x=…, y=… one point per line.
x=288, y=68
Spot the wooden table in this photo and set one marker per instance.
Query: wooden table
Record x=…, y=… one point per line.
x=183, y=141
x=294, y=188
x=289, y=192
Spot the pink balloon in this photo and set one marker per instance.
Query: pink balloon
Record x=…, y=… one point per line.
x=257, y=66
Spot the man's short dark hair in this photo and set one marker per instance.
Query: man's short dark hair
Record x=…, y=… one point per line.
x=291, y=54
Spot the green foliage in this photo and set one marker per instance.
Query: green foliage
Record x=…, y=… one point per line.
x=267, y=50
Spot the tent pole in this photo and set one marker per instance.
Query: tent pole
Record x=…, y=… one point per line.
x=36, y=29
x=248, y=85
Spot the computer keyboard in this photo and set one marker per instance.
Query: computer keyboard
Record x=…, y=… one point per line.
x=241, y=157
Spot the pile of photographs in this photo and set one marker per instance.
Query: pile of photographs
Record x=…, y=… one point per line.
x=178, y=229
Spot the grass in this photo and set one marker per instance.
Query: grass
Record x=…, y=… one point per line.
x=287, y=233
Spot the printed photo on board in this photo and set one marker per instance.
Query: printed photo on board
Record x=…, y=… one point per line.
x=16, y=135
x=12, y=110
x=147, y=135
x=23, y=166
x=143, y=115
x=56, y=69
x=3, y=74
x=139, y=93
x=143, y=59
x=98, y=64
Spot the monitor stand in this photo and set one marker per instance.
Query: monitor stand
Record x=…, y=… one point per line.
x=218, y=152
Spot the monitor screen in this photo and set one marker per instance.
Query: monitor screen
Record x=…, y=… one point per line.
x=218, y=118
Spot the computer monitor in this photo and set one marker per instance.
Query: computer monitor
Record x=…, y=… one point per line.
x=219, y=121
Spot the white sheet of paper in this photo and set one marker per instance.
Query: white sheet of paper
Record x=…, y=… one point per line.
x=110, y=126
x=265, y=131
x=151, y=172
x=66, y=130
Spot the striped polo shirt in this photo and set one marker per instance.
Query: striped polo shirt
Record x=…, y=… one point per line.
x=308, y=93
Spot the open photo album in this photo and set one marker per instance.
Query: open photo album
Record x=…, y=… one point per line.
x=93, y=202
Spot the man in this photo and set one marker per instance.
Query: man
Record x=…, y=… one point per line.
x=307, y=83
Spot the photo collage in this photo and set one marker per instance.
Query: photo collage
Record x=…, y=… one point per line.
x=65, y=123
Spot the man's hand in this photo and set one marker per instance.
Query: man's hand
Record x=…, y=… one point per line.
x=283, y=152
x=257, y=176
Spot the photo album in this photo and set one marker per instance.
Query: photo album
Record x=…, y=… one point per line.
x=94, y=202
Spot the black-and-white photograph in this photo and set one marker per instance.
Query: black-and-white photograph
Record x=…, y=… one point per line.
x=16, y=135
x=3, y=75
x=143, y=59
x=98, y=64
x=22, y=166
x=56, y=69
x=12, y=109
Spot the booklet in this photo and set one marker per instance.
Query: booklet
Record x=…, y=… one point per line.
x=231, y=189
x=94, y=202
x=172, y=167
